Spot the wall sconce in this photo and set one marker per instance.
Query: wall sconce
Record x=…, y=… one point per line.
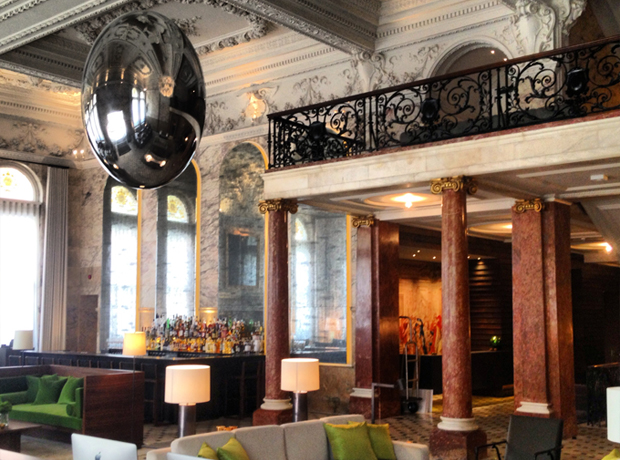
x=256, y=107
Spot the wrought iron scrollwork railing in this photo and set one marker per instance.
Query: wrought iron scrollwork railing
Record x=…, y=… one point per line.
x=574, y=82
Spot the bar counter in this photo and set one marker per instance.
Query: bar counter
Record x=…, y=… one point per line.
x=227, y=372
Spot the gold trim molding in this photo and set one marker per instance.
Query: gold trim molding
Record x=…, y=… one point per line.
x=522, y=206
x=363, y=221
x=280, y=204
x=455, y=184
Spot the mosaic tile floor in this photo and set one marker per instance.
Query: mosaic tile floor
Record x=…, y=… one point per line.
x=491, y=414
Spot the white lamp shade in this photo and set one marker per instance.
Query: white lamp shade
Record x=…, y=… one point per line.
x=613, y=414
x=188, y=384
x=23, y=340
x=134, y=344
x=300, y=374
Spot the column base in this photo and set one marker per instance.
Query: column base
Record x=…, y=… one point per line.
x=272, y=417
x=456, y=445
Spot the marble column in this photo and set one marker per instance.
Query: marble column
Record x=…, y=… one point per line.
x=528, y=310
x=542, y=312
x=277, y=407
x=457, y=435
x=376, y=317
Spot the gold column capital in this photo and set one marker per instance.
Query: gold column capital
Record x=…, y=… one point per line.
x=522, y=206
x=455, y=184
x=363, y=221
x=280, y=204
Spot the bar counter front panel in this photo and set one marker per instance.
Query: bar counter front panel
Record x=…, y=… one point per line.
x=226, y=370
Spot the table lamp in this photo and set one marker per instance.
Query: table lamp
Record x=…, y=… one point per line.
x=300, y=375
x=187, y=385
x=613, y=414
x=23, y=340
x=134, y=344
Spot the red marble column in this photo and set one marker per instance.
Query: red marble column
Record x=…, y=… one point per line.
x=528, y=309
x=277, y=408
x=559, y=314
x=542, y=312
x=376, y=318
x=457, y=434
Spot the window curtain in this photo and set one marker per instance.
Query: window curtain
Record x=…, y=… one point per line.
x=54, y=286
x=19, y=274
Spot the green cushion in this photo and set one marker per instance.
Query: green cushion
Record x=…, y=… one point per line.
x=49, y=391
x=20, y=397
x=13, y=384
x=46, y=414
x=33, y=384
x=79, y=402
x=67, y=395
x=350, y=442
x=613, y=455
x=232, y=450
x=381, y=441
x=206, y=451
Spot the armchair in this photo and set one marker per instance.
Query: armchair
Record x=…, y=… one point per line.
x=530, y=438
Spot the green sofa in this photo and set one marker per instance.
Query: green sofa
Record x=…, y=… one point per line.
x=21, y=391
x=98, y=403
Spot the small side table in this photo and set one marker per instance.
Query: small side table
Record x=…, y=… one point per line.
x=10, y=437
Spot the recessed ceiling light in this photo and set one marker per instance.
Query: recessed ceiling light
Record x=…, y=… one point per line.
x=434, y=257
x=408, y=199
x=418, y=251
x=492, y=51
x=608, y=247
x=414, y=255
x=505, y=59
x=478, y=258
x=468, y=257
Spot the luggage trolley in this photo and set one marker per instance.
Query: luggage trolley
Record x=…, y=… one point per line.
x=411, y=383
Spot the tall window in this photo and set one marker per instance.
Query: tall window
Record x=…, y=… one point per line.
x=120, y=243
x=176, y=245
x=318, y=284
x=19, y=250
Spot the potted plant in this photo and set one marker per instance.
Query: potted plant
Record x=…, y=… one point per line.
x=5, y=407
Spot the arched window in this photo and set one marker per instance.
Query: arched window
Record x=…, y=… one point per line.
x=19, y=250
x=176, y=246
x=120, y=260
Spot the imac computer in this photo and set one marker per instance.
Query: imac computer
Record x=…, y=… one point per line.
x=92, y=448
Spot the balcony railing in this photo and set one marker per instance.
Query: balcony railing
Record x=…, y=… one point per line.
x=569, y=83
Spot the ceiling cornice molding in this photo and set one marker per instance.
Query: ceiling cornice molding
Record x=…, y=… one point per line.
x=334, y=26
x=34, y=158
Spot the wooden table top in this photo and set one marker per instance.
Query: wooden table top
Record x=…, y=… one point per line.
x=9, y=455
x=16, y=426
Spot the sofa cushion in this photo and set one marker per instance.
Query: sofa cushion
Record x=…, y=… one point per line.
x=206, y=451
x=262, y=442
x=381, y=441
x=19, y=397
x=350, y=442
x=47, y=414
x=33, y=384
x=305, y=440
x=232, y=450
x=67, y=395
x=49, y=391
x=342, y=419
x=13, y=384
x=190, y=445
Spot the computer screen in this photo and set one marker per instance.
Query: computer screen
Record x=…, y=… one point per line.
x=92, y=448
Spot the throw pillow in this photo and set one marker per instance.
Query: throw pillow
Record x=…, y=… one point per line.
x=381, y=441
x=613, y=455
x=49, y=391
x=67, y=395
x=207, y=452
x=232, y=450
x=33, y=385
x=350, y=442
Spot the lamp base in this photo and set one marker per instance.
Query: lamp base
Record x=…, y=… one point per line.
x=187, y=420
x=300, y=407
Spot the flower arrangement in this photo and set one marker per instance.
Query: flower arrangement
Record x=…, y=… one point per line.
x=5, y=406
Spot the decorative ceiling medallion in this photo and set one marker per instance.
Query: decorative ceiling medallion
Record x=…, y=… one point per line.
x=265, y=206
x=91, y=29
x=522, y=206
x=363, y=221
x=455, y=184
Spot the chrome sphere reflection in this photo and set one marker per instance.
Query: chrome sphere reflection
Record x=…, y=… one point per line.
x=143, y=100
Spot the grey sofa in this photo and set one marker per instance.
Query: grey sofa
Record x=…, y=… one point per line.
x=292, y=441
